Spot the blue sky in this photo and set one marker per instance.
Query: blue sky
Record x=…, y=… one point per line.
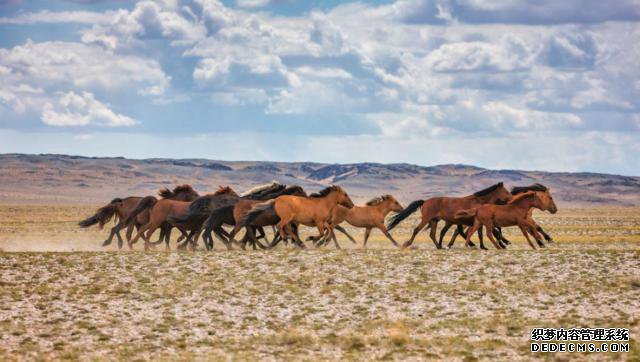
x=548, y=85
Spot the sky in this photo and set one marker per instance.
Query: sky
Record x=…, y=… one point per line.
x=519, y=84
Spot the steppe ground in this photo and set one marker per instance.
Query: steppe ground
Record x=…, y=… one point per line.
x=64, y=297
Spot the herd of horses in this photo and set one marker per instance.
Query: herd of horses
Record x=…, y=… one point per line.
x=285, y=208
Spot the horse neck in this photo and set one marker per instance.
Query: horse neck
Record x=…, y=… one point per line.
x=384, y=207
x=525, y=204
x=485, y=199
x=330, y=200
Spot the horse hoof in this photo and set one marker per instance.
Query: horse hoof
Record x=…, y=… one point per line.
x=106, y=242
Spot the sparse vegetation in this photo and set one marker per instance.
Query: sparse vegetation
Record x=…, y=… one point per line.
x=379, y=303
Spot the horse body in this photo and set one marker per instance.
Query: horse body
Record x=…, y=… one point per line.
x=370, y=216
x=445, y=208
x=516, y=213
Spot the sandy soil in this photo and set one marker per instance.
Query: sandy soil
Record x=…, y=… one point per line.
x=326, y=304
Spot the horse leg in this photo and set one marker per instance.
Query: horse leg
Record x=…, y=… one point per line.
x=416, y=230
x=471, y=231
x=386, y=233
x=497, y=233
x=531, y=226
x=480, y=237
x=367, y=232
x=489, y=228
x=443, y=232
x=433, y=224
x=456, y=232
x=112, y=233
x=342, y=230
x=464, y=235
x=526, y=235
x=546, y=236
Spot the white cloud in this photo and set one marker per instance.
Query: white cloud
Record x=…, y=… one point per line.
x=73, y=109
x=79, y=65
x=45, y=16
x=252, y=3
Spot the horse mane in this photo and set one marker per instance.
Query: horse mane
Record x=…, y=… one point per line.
x=535, y=187
x=165, y=193
x=223, y=190
x=488, y=190
x=521, y=196
x=377, y=200
x=117, y=199
x=263, y=189
x=291, y=189
x=324, y=192
x=182, y=188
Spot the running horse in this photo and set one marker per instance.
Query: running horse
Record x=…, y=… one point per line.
x=369, y=216
x=120, y=209
x=516, y=212
x=161, y=211
x=314, y=210
x=445, y=208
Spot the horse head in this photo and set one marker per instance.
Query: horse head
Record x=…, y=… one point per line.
x=545, y=201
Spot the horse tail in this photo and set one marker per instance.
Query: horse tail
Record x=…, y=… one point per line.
x=397, y=218
x=102, y=215
x=255, y=212
x=146, y=203
x=465, y=213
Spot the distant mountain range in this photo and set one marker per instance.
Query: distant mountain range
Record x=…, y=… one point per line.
x=63, y=179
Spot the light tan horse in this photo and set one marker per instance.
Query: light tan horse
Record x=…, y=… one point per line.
x=514, y=213
x=370, y=216
x=314, y=210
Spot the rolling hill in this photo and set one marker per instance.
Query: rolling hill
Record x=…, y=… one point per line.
x=63, y=179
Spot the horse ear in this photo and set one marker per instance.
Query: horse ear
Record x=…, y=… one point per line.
x=500, y=184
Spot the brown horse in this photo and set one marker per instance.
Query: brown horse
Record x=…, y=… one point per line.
x=370, y=216
x=242, y=208
x=445, y=208
x=515, y=213
x=497, y=232
x=120, y=209
x=314, y=210
x=180, y=193
x=161, y=211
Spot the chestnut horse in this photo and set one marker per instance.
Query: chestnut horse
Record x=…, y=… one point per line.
x=445, y=208
x=161, y=211
x=370, y=216
x=516, y=212
x=121, y=209
x=497, y=232
x=314, y=210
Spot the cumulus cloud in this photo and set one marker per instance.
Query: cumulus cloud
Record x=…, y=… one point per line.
x=76, y=64
x=424, y=68
x=45, y=16
x=78, y=110
x=515, y=11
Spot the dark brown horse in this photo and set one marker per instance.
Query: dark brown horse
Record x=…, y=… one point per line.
x=445, y=208
x=516, y=212
x=314, y=210
x=120, y=209
x=161, y=211
x=242, y=208
x=220, y=212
